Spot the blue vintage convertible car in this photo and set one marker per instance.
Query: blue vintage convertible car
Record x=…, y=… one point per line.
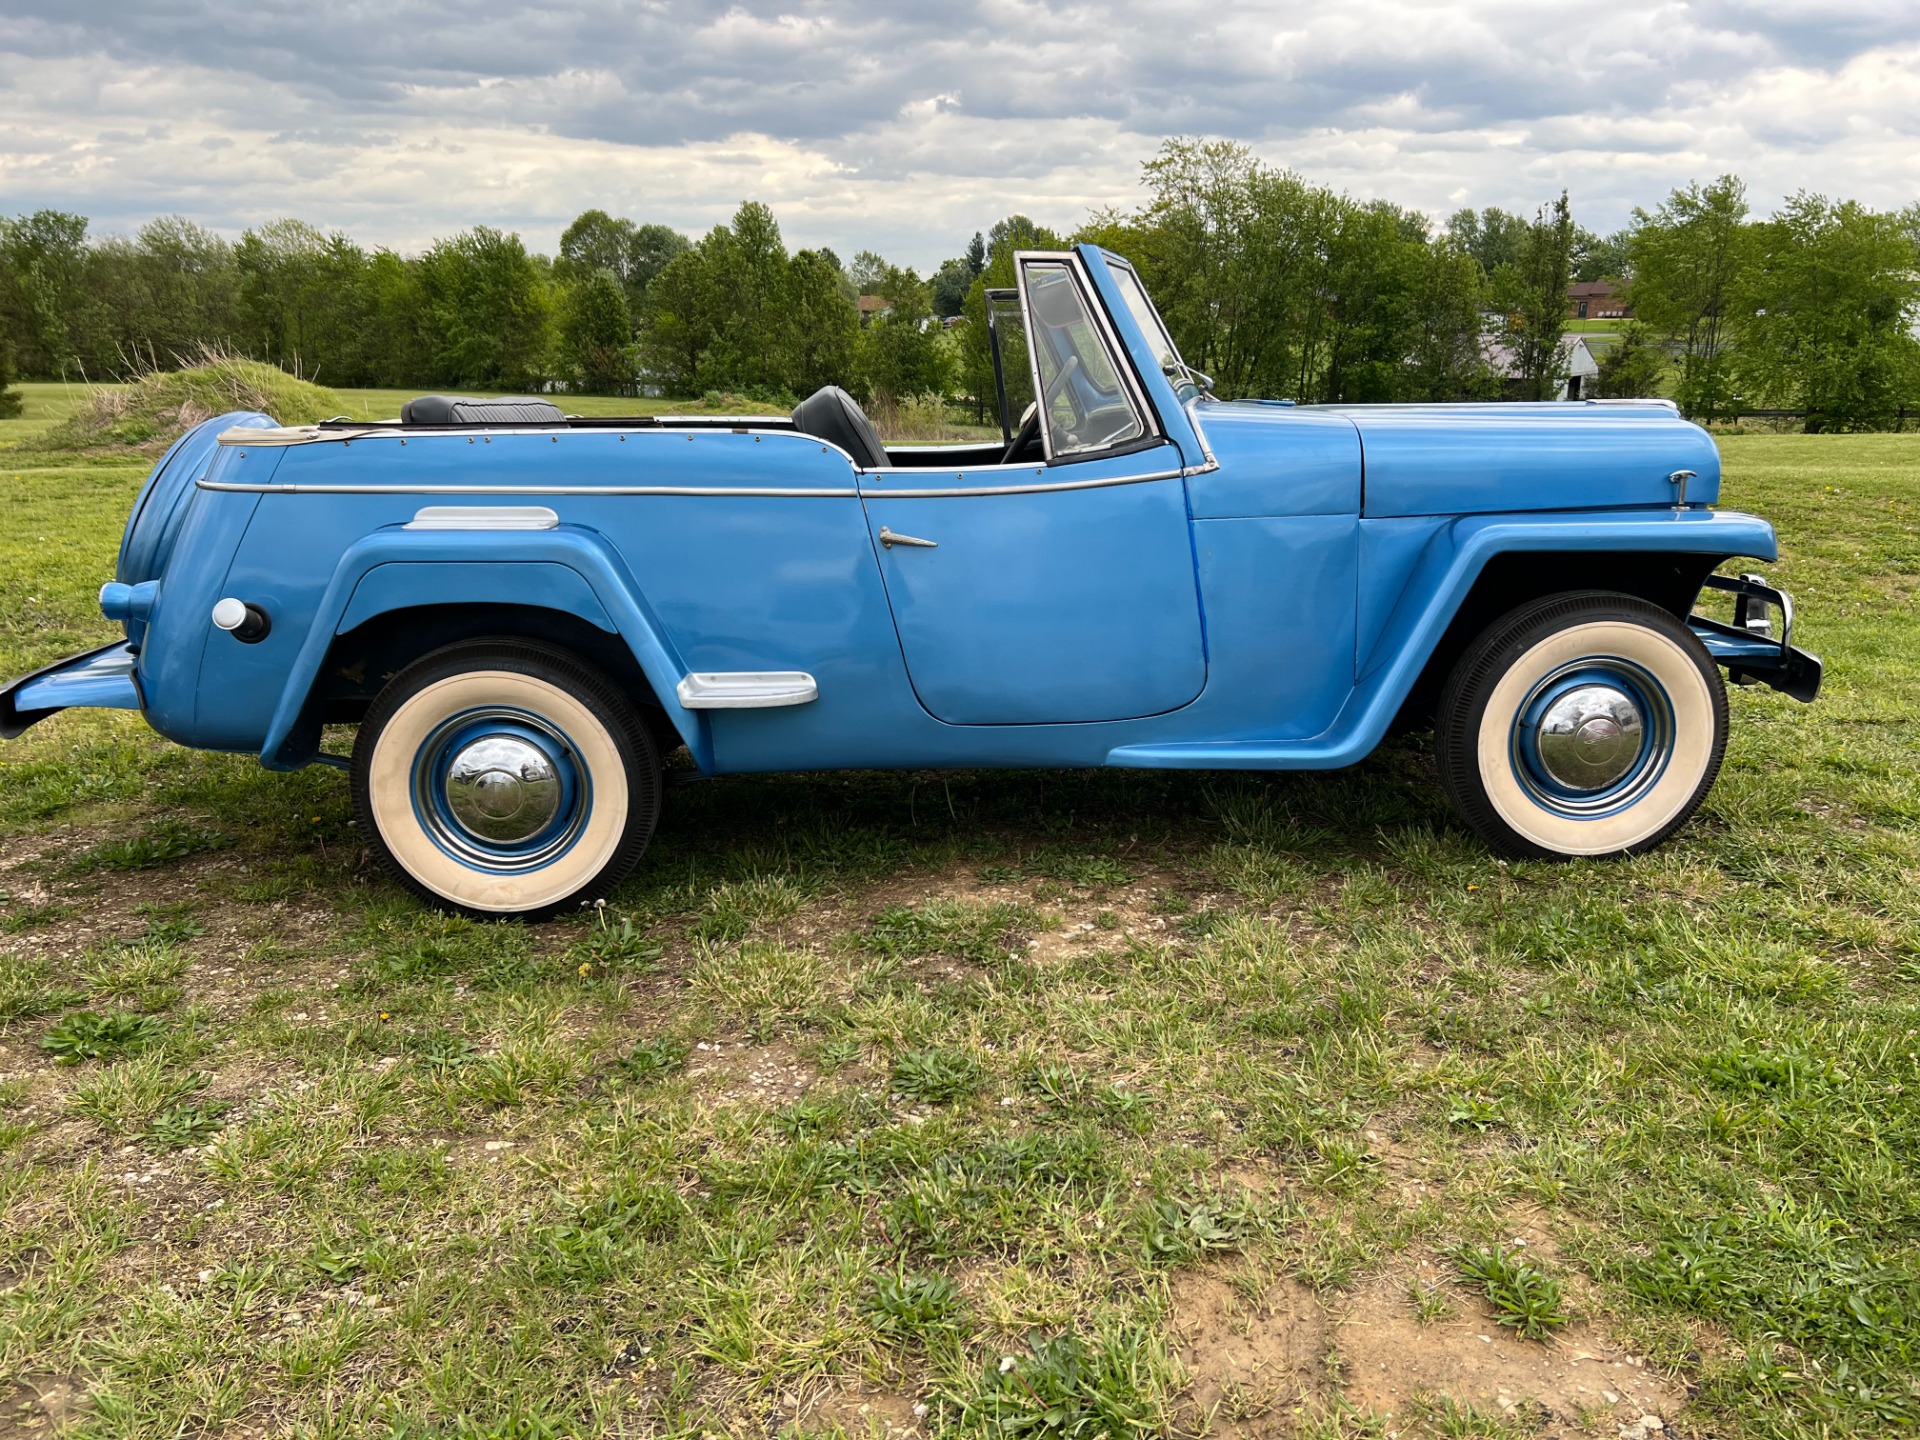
x=524, y=611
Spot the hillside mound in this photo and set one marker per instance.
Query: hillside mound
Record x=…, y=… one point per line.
x=151, y=413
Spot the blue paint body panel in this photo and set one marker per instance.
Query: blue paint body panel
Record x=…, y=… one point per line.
x=1054, y=607
x=1254, y=586
x=1467, y=459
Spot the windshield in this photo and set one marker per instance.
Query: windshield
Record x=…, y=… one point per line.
x=1083, y=403
x=1187, y=382
x=1012, y=368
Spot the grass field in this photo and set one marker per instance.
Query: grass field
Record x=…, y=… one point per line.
x=977, y=1104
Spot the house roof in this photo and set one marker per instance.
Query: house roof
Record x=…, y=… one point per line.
x=1594, y=289
x=875, y=304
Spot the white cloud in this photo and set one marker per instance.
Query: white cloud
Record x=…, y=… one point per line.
x=904, y=127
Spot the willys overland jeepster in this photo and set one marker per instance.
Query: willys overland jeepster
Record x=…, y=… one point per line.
x=524, y=610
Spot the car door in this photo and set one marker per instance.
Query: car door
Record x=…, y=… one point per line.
x=1060, y=589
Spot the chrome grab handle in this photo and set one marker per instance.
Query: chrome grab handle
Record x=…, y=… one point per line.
x=1679, y=478
x=889, y=539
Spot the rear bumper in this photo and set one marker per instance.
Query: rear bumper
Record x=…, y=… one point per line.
x=1749, y=649
x=99, y=679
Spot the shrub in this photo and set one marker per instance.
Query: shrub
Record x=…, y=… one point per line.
x=159, y=407
x=11, y=400
x=1523, y=1296
x=85, y=1035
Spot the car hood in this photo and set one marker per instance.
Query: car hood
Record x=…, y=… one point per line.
x=1483, y=459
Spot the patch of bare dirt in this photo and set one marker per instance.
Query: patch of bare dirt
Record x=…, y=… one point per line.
x=1255, y=1363
x=863, y=1414
x=40, y=1405
x=1575, y=1384
x=738, y=1070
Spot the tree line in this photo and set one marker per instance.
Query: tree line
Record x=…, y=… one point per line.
x=1271, y=284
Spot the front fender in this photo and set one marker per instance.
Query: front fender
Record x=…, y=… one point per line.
x=568, y=568
x=1453, y=558
x=1441, y=578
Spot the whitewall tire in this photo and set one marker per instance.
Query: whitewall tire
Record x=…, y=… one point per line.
x=505, y=778
x=1586, y=724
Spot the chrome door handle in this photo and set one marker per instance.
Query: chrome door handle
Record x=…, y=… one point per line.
x=889, y=539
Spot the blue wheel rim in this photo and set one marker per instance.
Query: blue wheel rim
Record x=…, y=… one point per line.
x=436, y=811
x=1648, y=696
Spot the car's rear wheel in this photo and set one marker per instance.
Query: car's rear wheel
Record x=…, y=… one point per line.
x=505, y=778
x=1590, y=723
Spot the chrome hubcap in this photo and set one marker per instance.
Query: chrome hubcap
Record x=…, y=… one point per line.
x=1590, y=737
x=502, y=789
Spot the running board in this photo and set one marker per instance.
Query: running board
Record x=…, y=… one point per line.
x=746, y=689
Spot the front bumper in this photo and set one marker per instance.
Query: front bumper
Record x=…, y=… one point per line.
x=101, y=679
x=1749, y=648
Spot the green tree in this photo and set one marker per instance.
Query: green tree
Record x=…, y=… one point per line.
x=1632, y=369
x=488, y=311
x=11, y=400
x=677, y=328
x=1493, y=237
x=44, y=300
x=1600, y=257
x=1830, y=300
x=1447, y=358
x=596, y=334
x=597, y=241
x=397, y=344
x=306, y=303
x=1531, y=292
x=900, y=351
x=746, y=286
x=823, y=329
x=1376, y=274
x=1236, y=255
x=949, y=285
x=1687, y=258
x=649, y=251
x=867, y=272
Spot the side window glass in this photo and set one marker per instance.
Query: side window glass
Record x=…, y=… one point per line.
x=1086, y=405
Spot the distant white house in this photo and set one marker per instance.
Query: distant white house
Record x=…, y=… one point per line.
x=1577, y=371
x=1581, y=371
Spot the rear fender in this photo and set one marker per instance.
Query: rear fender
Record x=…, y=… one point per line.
x=568, y=568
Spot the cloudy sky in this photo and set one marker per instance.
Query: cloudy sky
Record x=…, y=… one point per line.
x=905, y=126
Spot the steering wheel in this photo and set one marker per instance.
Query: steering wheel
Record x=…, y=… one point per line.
x=1028, y=432
x=1030, y=422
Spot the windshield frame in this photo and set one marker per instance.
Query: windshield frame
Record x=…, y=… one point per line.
x=1119, y=356
x=1188, y=383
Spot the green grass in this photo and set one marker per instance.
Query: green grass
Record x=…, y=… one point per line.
x=948, y=1090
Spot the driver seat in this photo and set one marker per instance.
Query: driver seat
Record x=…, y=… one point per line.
x=832, y=415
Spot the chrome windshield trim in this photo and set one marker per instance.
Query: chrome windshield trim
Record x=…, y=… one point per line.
x=1117, y=357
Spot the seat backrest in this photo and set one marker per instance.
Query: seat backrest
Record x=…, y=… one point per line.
x=832, y=415
x=461, y=410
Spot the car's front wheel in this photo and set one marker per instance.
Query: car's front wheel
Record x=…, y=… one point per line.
x=505, y=778
x=1590, y=723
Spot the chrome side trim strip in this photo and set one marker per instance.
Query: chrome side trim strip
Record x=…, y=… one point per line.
x=483, y=517
x=746, y=689
x=745, y=491
x=1035, y=489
